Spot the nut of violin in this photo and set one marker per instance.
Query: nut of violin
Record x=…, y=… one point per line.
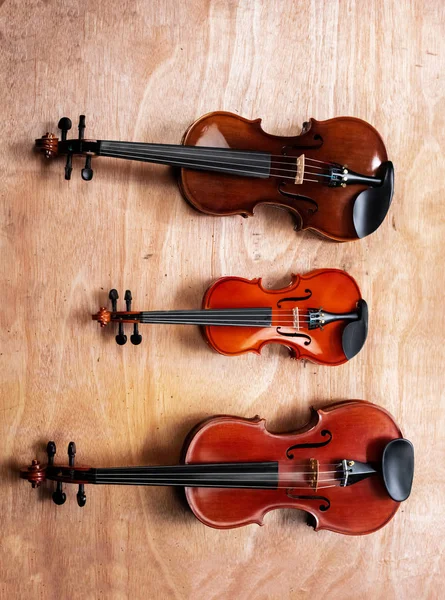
x=103, y=317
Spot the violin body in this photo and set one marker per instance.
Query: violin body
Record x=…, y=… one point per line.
x=320, y=208
x=352, y=429
x=332, y=290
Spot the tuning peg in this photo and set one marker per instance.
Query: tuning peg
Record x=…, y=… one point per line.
x=136, y=337
x=51, y=451
x=81, y=127
x=121, y=338
x=87, y=171
x=81, y=496
x=65, y=125
x=59, y=496
x=114, y=297
x=128, y=299
x=71, y=453
x=68, y=166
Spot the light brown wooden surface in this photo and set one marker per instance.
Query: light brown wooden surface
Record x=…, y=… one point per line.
x=144, y=71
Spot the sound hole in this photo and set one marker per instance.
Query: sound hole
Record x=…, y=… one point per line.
x=324, y=433
x=323, y=507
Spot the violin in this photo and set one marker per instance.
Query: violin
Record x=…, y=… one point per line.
x=334, y=178
x=320, y=316
x=349, y=468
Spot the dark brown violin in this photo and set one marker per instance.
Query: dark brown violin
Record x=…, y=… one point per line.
x=335, y=177
x=349, y=468
x=320, y=316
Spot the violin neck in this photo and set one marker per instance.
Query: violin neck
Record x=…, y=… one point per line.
x=222, y=160
x=262, y=475
x=233, y=317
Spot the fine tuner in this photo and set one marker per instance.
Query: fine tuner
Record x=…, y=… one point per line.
x=334, y=178
x=310, y=316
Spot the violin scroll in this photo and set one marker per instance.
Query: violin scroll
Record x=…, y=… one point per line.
x=103, y=316
x=35, y=474
x=48, y=144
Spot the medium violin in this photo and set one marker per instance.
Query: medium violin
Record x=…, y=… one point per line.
x=349, y=468
x=320, y=316
x=334, y=178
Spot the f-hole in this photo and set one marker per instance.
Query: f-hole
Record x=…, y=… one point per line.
x=295, y=335
x=324, y=433
x=312, y=209
x=323, y=507
x=295, y=298
x=318, y=143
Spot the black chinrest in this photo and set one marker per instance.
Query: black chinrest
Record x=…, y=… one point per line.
x=355, y=333
x=398, y=468
x=371, y=205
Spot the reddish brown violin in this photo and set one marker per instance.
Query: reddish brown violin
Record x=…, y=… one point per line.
x=320, y=316
x=349, y=468
x=335, y=177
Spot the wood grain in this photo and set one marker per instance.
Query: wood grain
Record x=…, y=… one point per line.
x=144, y=71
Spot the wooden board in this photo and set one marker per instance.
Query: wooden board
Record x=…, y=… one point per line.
x=144, y=71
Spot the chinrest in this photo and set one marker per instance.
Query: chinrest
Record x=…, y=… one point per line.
x=371, y=205
x=355, y=333
x=398, y=468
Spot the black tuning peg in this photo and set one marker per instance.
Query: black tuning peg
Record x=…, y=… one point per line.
x=128, y=299
x=71, y=453
x=68, y=166
x=59, y=496
x=136, y=337
x=65, y=125
x=87, y=171
x=81, y=127
x=121, y=338
x=114, y=297
x=81, y=496
x=51, y=451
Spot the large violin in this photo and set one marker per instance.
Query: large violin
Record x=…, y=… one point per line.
x=335, y=177
x=320, y=316
x=349, y=468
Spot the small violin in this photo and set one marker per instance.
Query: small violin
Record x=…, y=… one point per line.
x=334, y=178
x=349, y=468
x=320, y=316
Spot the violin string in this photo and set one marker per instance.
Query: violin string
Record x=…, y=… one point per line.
x=302, y=465
x=228, y=161
x=248, y=477
x=292, y=169
x=219, y=311
x=285, y=325
x=289, y=485
x=217, y=152
x=217, y=474
x=188, y=468
x=216, y=323
x=192, y=165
